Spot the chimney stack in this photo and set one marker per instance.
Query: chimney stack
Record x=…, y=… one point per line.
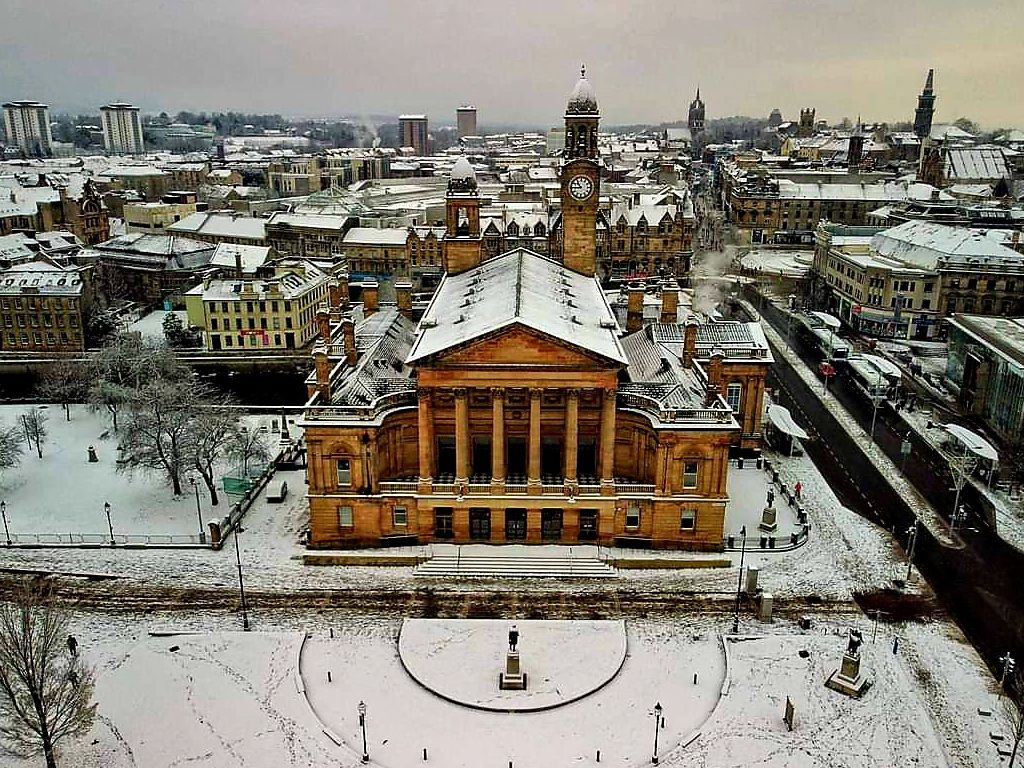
x=715, y=375
x=343, y=297
x=238, y=263
x=323, y=372
x=323, y=324
x=635, y=308
x=348, y=333
x=689, y=343
x=670, y=302
x=334, y=293
x=371, y=298
x=403, y=290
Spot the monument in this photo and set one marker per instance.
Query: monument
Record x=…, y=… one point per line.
x=848, y=679
x=769, y=520
x=513, y=678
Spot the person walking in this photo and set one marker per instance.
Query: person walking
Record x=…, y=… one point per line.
x=797, y=489
x=72, y=645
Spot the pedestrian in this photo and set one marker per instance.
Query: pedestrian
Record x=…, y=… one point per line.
x=895, y=645
x=797, y=489
x=771, y=496
x=72, y=645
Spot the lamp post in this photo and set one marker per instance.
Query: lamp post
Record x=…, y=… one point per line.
x=110, y=526
x=362, y=725
x=876, y=401
x=3, y=511
x=739, y=580
x=199, y=510
x=911, y=546
x=241, y=584
x=789, y=318
x=657, y=726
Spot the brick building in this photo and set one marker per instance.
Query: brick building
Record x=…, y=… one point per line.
x=43, y=307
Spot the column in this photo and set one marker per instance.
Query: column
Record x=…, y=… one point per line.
x=608, y=441
x=498, y=439
x=572, y=410
x=461, y=437
x=426, y=434
x=533, y=468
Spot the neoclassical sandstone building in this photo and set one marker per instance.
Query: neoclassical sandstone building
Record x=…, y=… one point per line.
x=516, y=408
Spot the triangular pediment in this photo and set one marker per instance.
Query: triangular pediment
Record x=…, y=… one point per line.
x=518, y=344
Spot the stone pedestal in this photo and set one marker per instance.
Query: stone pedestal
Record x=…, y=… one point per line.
x=769, y=522
x=848, y=679
x=513, y=678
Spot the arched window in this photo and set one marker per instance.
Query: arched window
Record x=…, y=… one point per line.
x=539, y=230
x=512, y=230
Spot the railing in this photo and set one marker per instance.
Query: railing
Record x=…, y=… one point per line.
x=634, y=488
x=403, y=486
x=103, y=539
x=588, y=490
x=645, y=403
x=519, y=488
x=706, y=350
x=360, y=412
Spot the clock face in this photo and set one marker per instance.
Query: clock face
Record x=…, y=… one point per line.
x=581, y=187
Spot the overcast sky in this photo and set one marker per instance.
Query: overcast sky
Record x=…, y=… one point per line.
x=518, y=60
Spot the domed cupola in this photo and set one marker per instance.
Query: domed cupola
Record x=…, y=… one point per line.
x=583, y=100
x=463, y=177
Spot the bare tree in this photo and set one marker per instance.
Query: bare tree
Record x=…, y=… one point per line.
x=65, y=382
x=211, y=433
x=1012, y=704
x=34, y=422
x=248, y=445
x=45, y=689
x=11, y=445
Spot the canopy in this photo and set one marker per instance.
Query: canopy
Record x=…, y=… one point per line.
x=783, y=420
x=887, y=367
x=829, y=320
x=972, y=441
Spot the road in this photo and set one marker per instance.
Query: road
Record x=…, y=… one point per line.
x=979, y=583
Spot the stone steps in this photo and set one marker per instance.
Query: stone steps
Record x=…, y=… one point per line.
x=475, y=566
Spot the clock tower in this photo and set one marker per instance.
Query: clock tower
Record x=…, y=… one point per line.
x=580, y=179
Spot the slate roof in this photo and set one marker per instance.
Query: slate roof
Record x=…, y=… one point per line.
x=519, y=287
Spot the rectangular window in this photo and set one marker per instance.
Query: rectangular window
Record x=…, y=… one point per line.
x=344, y=472
x=732, y=396
x=345, y=517
x=689, y=474
x=632, y=517
x=443, y=527
x=399, y=517
x=687, y=519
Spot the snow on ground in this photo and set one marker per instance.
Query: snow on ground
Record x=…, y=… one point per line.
x=64, y=493
x=232, y=699
x=151, y=326
x=748, y=489
x=772, y=262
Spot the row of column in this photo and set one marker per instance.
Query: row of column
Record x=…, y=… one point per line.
x=463, y=442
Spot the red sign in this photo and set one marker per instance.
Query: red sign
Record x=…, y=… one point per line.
x=856, y=309
x=826, y=369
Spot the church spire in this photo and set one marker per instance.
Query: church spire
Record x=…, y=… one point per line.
x=925, y=108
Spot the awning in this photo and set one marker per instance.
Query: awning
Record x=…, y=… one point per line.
x=830, y=321
x=972, y=441
x=783, y=420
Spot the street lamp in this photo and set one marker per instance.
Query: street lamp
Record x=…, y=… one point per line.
x=876, y=401
x=789, y=317
x=912, y=532
x=199, y=511
x=657, y=726
x=241, y=584
x=739, y=580
x=362, y=726
x=3, y=511
x=110, y=526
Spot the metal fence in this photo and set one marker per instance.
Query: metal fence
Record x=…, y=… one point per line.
x=104, y=540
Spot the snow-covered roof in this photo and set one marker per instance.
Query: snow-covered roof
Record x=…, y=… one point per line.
x=975, y=163
x=868, y=192
x=220, y=225
x=1005, y=335
x=307, y=220
x=43, y=277
x=292, y=279
x=375, y=236
x=928, y=245
x=252, y=256
x=519, y=287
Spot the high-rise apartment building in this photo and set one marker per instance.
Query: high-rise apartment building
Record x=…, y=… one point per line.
x=465, y=119
x=122, y=129
x=413, y=132
x=27, y=124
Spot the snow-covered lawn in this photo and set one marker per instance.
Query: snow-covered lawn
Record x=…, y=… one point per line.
x=245, y=699
x=64, y=493
x=748, y=488
x=151, y=326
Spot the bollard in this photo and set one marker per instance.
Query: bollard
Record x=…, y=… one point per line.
x=694, y=678
x=895, y=645
x=739, y=463
x=424, y=754
x=599, y=755
x=771, y=542
x=793, y=538
x=732, y=542
x=759, y=462
x=329, y=676
x=332, y=633
x=764, y=542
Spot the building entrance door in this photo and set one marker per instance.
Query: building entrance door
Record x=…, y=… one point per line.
x=515, y=524
x=551, y=524
x=480, y=524
x=588, y=525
